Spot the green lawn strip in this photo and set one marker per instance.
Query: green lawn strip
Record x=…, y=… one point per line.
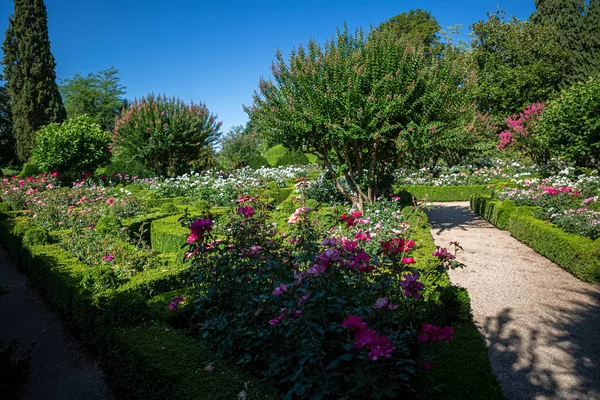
x=576, y=254
x=142, y=357
x=448, y=193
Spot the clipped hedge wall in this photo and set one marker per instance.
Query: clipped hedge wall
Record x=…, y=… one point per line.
x=443, y=193
x=576, y=254
x=167, y=235
x=142, y=357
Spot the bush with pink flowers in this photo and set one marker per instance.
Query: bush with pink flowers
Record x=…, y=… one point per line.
x=322, y=312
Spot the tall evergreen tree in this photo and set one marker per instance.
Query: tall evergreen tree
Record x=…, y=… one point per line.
x=29, y=70
x=569, y=18
x=6, y=135
x=593, y=25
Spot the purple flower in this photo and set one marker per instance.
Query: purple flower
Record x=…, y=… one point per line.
x=173, y=304
x=411, y=285
x=281, y=289
x=246, y=211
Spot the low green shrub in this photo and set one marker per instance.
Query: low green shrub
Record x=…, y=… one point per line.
x=169, y=208
x=109, y=224
x=30, y=169
x=443, y=193
x=167, y=235
x=36, y=235
x=78, y=145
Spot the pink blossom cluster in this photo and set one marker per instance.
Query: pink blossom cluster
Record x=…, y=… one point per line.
x=443, y=253
x=198, y=228
x=109, y=257
x=299, y=214
x=435, y=334
x=173, y=304
x=378, y=346
x=246, y=211
x=520, y=125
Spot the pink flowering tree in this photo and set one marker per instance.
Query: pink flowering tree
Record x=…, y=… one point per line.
x=166, y=135
x=364, y=105
x=520, y=133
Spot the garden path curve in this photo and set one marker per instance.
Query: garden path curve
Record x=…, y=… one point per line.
x=541, y=324
x=61, y=368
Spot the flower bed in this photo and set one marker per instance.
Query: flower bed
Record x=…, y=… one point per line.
x=101, y=275
x=577, y=254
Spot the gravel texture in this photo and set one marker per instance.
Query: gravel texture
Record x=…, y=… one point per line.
x=541, y=324
x=61, y=368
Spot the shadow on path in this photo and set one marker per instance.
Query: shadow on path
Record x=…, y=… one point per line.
x=541, y=324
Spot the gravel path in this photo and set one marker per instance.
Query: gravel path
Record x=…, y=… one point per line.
x=62, y=369
x=541, y=324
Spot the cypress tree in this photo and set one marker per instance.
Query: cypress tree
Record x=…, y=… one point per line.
x=570, y=22
x=29, y=70
x=593, y=25
x=6, y=136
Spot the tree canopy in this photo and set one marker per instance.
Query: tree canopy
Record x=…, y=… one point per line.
x=364, y=105
x=98, y=95
x=517, y=63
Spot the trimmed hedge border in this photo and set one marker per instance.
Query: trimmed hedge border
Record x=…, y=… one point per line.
x=578, y=255
x=142, y=356
x=443, y=193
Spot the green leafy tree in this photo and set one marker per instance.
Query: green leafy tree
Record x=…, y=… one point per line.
x=517, y=62
x=29, y=70
x=6, y=134
x=354, y=101
x=99, y=95
x=166, y=135
x=241, y=148
x=417, y=24
x=571, y=123
x=75, y=146
x=575, y=24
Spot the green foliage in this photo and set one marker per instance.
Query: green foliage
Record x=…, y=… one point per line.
x=167, y=234
x=98, y=95
x=571, y=124
x=109, y=224
x=166, y=135
x=29, y=73
x=415, y=24
x=576, y=24
x=7, y=150
x=517, y=63
x=121, y=165
x=353, y=101
x=169, y=208
x=240, y=148
x=35, y=236
x=76, y=146
x=30, y=169
x=578, y=255
x=292, y=157
x=441, y=193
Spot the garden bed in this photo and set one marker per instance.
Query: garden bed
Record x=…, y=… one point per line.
x=443, y=193
x=576, y=254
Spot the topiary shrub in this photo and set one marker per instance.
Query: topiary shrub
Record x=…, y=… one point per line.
x=169, y=208
x=571, y=124
x=73, y=147
x=99, y=279
x=292, y=157
x=30, y=169
x=165, y=134
x=35, y=236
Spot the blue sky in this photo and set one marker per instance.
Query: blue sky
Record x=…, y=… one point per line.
x=215, y=52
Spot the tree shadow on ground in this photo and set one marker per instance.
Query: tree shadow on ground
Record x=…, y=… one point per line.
x=559, y=358
x=446, y=217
